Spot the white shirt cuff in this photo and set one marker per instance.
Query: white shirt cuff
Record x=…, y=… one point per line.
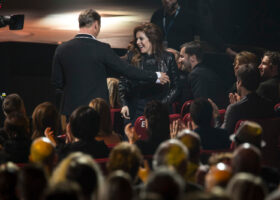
x=158, y=76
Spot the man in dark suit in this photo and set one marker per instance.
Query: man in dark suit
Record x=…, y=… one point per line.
x=203, y=82
x=250, y=105
x=270, y=72
x=80, y=66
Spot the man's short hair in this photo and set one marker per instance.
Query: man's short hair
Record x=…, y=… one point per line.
x=194, y=48
x=12, y=103
x=88, y=17
x=84, y=123
x=249, y=75
x=274, y=58
x=201, y=112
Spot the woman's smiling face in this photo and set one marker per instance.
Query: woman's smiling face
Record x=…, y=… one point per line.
x=143, y=43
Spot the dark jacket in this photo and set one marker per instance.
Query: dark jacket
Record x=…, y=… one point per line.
x=205, y=83
x=80, y=68
x=270, y=89
x=97, y=149
x=251, y=106
x=133, y=93
x=213, y=138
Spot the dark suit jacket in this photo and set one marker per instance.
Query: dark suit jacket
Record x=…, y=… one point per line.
x=205, y=83
x=251, y=106
x=80, y=69
x=213, y=138
x=184, y=27
x=270, y=89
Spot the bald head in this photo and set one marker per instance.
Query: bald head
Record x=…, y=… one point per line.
x=246, y=158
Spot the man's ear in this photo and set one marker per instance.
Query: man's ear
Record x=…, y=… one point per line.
x=193, y=58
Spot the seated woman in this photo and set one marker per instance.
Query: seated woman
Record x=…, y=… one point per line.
x=241, y=58
x=106, y=132
x=44, y=116
x=17, y=145
x=146, y=52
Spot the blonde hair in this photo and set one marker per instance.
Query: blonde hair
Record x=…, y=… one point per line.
x=113, y=88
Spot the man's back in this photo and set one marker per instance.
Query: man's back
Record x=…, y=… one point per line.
x=81, y=73
x=251, y=106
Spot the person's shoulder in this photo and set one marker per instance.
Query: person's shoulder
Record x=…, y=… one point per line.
x=157, y=15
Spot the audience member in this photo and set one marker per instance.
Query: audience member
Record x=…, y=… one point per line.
x=244, y=186
x=251, y=105
x=82, y=129
x=192, y=141
x=270, y=74
x=242, y=58
x=201, y=113
x=248, y=132
x=81, y=169
x=246, y=158
x=17, y=145
x=184, y=70
x=203, y=81
x=174, y=155
x=165, y=182
x=106, y=133
x=32, y=182
x=42, y=152
x=8, y=181
x=66, y=190
x=157, y=124
x=224, y=157
x=113, y=88
x=13, y=103
x=218, y=175
x=126, y=157
x=118, y=186
x=44, y=116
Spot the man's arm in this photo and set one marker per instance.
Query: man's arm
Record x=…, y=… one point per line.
x=115, y=64
x=57, y=73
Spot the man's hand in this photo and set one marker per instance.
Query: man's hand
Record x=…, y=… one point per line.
x=230, y=52
x=125, y=112
x=163, y=78
x=233, y=98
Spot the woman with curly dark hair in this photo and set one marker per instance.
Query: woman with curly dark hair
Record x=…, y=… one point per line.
x=146, y=52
